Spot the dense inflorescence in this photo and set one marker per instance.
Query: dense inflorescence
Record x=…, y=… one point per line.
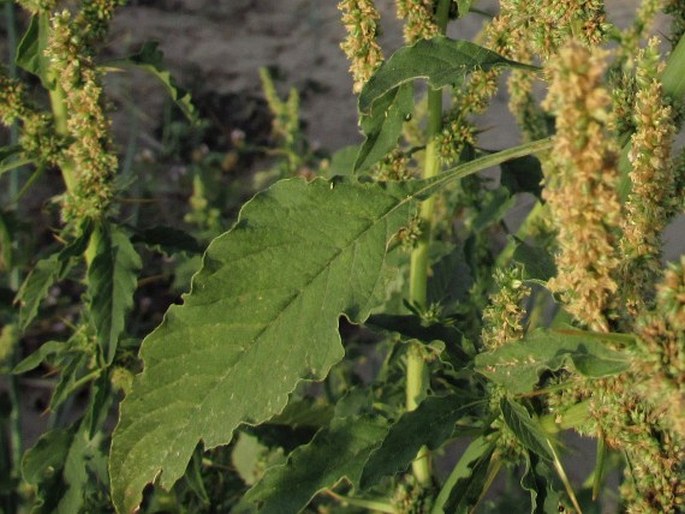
x=74, y=70
x=581, y=178
x=504, y=315
x=419, y=21
x=649, y=205
x=360, y=18
x=38, y=140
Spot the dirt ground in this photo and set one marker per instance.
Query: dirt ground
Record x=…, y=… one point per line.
x=220, y=45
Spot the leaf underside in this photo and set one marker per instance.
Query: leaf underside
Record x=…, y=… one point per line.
x=262, y=316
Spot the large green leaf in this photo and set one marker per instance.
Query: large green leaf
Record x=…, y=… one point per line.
x=262, y=316
x=338, y=452
x=517, y=366
x=267, y=301
x=441, y=61
x=383, y=125
x=431, y=424
x=112, y=280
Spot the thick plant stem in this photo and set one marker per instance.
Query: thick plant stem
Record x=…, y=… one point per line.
x=417, y=370
x=57, y=103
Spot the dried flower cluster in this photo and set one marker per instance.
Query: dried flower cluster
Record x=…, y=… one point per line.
x=38, y=140
x=661, y=333
x=36, y=6
x=655, y=477
x=581, y=179
x=650, y=203
x=419, y=19
x=470, y=99
x=530, y=30
x=503, y=317
x=360, y=18
x=87, y=126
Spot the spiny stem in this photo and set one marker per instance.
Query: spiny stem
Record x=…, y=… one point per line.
x=417, y=370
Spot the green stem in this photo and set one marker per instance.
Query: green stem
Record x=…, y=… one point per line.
x=57, y=101
x=417, y=369
x=373, y=505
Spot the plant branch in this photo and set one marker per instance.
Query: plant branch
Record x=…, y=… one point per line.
x=418, y=379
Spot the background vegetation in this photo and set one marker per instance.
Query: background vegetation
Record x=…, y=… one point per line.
x=374, y=333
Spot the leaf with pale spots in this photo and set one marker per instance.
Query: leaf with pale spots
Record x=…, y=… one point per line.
x=518, y=366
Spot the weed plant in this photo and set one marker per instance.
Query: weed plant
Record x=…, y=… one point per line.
x=368, y=312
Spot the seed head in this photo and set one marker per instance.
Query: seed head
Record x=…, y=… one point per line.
x=360, y=18
x=581, y=177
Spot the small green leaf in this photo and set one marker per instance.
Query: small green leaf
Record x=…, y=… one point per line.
x=517, y=366
x=68, y=467
x=523, y=175
x=41, y=354
x=538, y=264
x=169, y=240
x=46, y=272
x=413, y=327
x=151, y=59
x=672, y=77
x=463, y=7
x=440, y=60
x=335, y=453
x=450, y=280
x=496, y=204
x=342, y=162
x=11, y=158
x=431, y=424
x=538, y=480
x=28, y=50
x=36, y=286
x=47, y=456
x=112, y=281
x=383, y=125
x=461, y=488
x=526, y=429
